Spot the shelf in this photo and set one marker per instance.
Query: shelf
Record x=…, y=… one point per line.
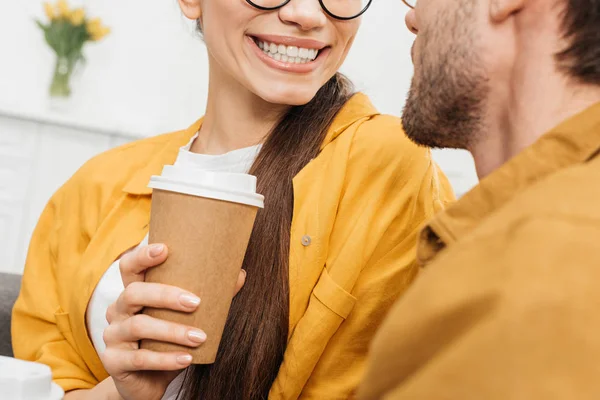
x=61, y=114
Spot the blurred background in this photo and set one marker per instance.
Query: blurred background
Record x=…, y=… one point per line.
x=147, y=77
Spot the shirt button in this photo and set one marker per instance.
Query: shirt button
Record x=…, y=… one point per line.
x=306, y=240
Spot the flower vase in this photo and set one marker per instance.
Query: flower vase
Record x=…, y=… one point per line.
x=61, y=85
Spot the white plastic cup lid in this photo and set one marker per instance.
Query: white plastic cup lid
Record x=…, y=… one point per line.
x=226, y=186
x=25, y=380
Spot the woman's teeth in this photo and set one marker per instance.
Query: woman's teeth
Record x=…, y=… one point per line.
x=289, y=54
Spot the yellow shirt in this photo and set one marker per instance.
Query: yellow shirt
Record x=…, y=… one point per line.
x=508, y=306
x=361, y=201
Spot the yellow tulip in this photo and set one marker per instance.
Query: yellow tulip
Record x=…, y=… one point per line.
x=96, y=30
x=77, y=17
x=93, y=26
x=100, y=34
x=105, y=31
x=49, y=11
x=63, y=9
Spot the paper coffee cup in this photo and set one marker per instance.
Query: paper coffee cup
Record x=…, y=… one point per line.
x=205, y=218
x=25, y=380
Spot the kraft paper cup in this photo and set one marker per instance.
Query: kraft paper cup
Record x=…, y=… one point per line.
x=205, y=218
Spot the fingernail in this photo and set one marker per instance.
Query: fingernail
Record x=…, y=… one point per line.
x=189, y=300
x=156, y=250
x=184, y=360
x=197, y=336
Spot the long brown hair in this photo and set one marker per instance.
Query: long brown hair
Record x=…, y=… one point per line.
x=256, y=332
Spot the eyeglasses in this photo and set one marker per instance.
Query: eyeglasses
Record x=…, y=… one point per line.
x=338, y=9
x=410, y=3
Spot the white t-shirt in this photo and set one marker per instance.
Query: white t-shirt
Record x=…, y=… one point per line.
x=111, y=285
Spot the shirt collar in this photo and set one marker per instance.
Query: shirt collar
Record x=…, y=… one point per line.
x=357, y=108
x=574, y=141
x=162, y=153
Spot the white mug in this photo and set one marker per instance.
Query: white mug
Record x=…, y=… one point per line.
x=25, y=380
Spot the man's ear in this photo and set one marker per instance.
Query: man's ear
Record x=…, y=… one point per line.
x=192, y=9
x=500, y=10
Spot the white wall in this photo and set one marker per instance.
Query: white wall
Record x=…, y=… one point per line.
x=36, y=158
x=148, y=77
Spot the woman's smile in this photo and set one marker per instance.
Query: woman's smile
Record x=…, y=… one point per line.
x=288, y=54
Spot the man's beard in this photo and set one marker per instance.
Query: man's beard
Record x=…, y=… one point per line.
x=446, y=101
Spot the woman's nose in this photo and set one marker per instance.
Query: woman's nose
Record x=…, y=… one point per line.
x=306, y=14
x=411, y=21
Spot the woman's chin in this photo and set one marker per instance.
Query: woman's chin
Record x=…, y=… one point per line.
x=292, y=96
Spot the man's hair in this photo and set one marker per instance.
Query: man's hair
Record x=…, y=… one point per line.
x=581, y=25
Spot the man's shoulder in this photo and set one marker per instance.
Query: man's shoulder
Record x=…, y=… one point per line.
x=542, y=223
x=572, y=194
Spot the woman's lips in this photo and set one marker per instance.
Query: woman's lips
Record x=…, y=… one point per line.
x=288, y=54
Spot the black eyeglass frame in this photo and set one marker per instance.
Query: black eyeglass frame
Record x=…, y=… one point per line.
x=332, y=15
x=408, y=5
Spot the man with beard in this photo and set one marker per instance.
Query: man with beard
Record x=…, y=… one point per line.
x=508, y=302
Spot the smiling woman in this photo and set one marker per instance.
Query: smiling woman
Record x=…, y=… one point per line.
x=345, y=193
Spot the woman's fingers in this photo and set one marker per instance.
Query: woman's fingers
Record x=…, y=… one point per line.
x=155, y=295
x=119, y=361
x=133, y=265
x=142, y=326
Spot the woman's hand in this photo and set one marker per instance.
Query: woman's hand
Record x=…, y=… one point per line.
x=138, y=373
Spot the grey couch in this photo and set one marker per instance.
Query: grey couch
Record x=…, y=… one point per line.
x=9, y=290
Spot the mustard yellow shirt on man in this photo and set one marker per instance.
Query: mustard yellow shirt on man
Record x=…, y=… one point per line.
x=361, y=203
x=508, y=306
